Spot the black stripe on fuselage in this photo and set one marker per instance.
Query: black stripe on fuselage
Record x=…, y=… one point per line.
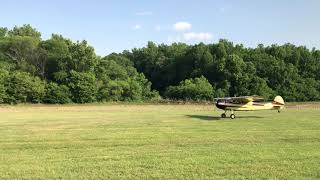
x=224, y=106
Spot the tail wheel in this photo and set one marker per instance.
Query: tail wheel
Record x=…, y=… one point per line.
x=223, y=115
x=232, y=116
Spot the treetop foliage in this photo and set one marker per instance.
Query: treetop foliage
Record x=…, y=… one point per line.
x=59, y=70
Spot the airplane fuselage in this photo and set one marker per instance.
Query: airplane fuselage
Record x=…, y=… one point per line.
x=250, y=106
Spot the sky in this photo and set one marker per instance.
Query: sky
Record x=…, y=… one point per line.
x=116, y=25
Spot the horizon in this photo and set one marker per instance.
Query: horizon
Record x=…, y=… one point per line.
x=117, y=26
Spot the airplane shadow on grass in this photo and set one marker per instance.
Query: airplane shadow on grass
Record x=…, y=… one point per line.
x=216, y=118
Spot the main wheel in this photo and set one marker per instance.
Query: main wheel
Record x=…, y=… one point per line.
x=232, y=116
x=223, y=115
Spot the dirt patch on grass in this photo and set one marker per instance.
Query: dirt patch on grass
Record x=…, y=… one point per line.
x=306, y=105
x=130, y=107
x=104, y=108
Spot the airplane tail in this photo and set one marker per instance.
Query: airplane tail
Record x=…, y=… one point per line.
x=278, y=100
x=278, y=103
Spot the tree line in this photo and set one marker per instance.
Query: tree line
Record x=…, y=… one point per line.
x=59, y=70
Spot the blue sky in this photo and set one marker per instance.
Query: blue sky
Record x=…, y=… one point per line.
x=110, y=25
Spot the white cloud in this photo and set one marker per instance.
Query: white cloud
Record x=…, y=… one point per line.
x=197, y=36
x=137, y=27
x=182, y=26
x=143, y=13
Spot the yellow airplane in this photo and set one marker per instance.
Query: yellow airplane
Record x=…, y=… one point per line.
x=247, y=103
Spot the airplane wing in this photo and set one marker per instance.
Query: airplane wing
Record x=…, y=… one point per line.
x=248, y=98
x=244, y=99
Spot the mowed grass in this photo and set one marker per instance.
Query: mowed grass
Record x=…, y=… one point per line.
x=157, y=141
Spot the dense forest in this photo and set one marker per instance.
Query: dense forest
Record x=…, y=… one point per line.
x=59, y=70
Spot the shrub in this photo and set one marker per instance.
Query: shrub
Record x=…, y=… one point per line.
x=120, y=90
x=191, y=89
x=3, y=77
x=113, y=91
x=145, y=91
x=22, y=87
x=57, y=94
x=83, y=87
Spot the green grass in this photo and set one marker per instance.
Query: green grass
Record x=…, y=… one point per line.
x=157, y=141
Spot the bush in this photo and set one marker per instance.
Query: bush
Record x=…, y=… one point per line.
x=137, y=88
x=22, y=87
x=83, y=87
x=3, y=77
x=145, y=84
x=119, y=81
x=56, y=94
x=191, y=89
x=114, y=91
x=120, y=90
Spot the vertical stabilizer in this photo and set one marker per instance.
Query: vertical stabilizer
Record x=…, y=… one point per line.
x=278, y=100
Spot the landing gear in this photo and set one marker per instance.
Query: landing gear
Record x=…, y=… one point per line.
x=232, y=116
x=223, y=115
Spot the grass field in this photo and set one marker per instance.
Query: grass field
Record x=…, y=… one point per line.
x=157, y=141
